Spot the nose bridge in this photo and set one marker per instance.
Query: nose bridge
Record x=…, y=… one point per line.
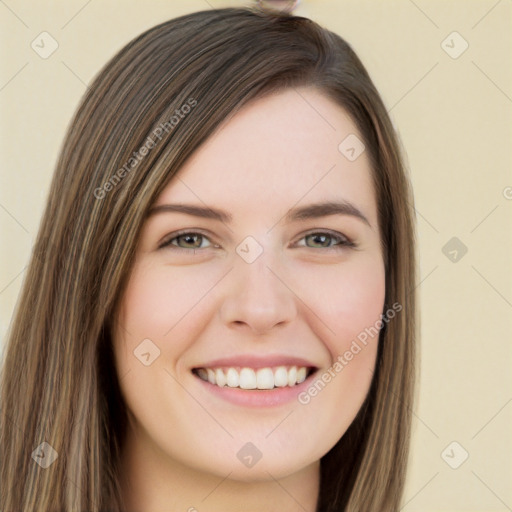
x=256, y=294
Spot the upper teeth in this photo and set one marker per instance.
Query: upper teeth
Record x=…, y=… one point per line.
x=248, y=378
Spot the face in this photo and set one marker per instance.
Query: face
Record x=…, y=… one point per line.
x=264, y=293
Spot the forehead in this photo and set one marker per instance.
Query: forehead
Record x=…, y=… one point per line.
x=275, y=152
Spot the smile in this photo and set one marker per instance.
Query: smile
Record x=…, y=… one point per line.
x=252, y=378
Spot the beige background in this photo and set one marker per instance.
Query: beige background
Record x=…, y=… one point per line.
x=454, y=118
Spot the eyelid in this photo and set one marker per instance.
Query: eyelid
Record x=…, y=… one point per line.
x=343, y=240
x=188, y=231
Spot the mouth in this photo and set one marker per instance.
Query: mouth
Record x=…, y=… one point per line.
x=247, y=378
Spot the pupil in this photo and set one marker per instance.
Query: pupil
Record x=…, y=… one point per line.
x=321, y=236
x=188, y=238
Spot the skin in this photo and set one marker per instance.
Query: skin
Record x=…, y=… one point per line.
x=299, y=298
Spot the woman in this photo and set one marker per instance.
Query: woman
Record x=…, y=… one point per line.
x=271, y=365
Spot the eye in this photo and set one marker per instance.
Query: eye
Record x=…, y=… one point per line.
x=191, y=239
x=323, y=238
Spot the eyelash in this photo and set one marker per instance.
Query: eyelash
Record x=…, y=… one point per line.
x=343, y=241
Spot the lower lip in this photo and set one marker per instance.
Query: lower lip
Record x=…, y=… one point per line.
x=256, y=397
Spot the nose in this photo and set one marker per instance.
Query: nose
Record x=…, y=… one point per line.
x=257, y=297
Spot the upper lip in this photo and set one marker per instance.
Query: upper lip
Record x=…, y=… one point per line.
x=253, y=361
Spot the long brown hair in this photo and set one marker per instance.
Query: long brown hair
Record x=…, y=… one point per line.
x=58, y=383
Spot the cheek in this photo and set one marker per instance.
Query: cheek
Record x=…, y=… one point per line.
x=358, y=327
x=351, y=306
x=143, y=315
x=360, y=301
x=348, y=298
x=156, y=303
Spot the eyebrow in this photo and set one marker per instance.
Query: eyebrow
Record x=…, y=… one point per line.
x=311, y=211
